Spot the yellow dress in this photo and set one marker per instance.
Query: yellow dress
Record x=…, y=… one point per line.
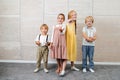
x=71, y=41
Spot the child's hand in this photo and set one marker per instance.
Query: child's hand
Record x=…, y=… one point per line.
x=37, y=42
x=93, y=38
x=47, y=44
x=60, y=29
x=51, y=45
x=70, y=20
x=89, y=39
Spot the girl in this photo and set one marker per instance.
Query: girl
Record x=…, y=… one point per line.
x=58, y=44
x=71, y=38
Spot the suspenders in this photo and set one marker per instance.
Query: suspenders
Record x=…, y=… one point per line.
x=46, y=38
x=39, y=37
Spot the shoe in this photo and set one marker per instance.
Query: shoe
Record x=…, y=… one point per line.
x=36, y=70
x=45, y=70
x=91, y=70
x=74, y=68
x=62, y=73
x=84, y=70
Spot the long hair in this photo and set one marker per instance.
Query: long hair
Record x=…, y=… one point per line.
x=70, y=16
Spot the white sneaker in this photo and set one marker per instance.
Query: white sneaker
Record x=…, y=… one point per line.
x=36, y=70
x=91, y=70
x=62, y=73
x=74, y=68
x=84, y=70
x=45, y=70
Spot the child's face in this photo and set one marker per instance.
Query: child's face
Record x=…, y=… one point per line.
x=89, y=23
x=60, y=19
x=44, y=30
x=74, y=16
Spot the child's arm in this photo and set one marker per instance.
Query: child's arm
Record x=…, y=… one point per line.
x=52, y=34
x=60, y=29
x=51, y=45
x=70, y=20
x=94, y=37
x=37, y=43
x=63, y=28
x=86, y=37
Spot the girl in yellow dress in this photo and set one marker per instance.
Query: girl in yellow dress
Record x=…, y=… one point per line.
x=71, y=39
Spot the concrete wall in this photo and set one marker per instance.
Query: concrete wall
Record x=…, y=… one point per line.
x=20, y=21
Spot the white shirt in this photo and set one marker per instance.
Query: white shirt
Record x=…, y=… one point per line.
x=90, y=32
x=63, y=32
x=42, y=39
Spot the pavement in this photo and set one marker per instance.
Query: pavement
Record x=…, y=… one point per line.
x=24, y=71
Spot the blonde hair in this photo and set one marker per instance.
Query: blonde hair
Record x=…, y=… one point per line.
x=70, y=16
x=70, y=13
x=89, y=18
x=44, y=25
x=61, y=15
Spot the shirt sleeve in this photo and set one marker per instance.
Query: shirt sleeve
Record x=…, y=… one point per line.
x=83, y=29
x=37, y=38
x=52, y=34
x=64, y=28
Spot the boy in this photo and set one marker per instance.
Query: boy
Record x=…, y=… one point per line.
x=89, y=37
x=42, y=41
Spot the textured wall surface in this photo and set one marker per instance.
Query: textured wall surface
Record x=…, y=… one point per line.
x=20, y=21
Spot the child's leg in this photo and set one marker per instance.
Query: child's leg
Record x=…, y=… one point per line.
x=45, y=57
x=72, y=63
x=63, y=67
x=61, y=64
x=64, y=64
x=58, y=66
x=84, y=56
x=39, y=58
x=90, y=55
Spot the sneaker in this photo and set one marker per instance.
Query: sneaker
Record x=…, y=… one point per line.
x=84, y=70
x=36, y=70
x=45, y=70
x=91, y=70
x=74, y=68
x=62, y=73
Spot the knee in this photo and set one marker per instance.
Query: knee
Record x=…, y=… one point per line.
x=91, y=58
x=84, y=58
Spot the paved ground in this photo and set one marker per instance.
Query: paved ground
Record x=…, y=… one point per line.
x=23, y=71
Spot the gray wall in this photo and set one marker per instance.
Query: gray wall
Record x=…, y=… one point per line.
x=20, y=21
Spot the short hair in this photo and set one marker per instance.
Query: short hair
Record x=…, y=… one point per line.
x=44, y=25
x=89, y=18
x=61, y=15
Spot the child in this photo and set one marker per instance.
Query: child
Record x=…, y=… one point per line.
x=89, y=37
x=42, y=41
x=58, y=44
x=71, y=39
